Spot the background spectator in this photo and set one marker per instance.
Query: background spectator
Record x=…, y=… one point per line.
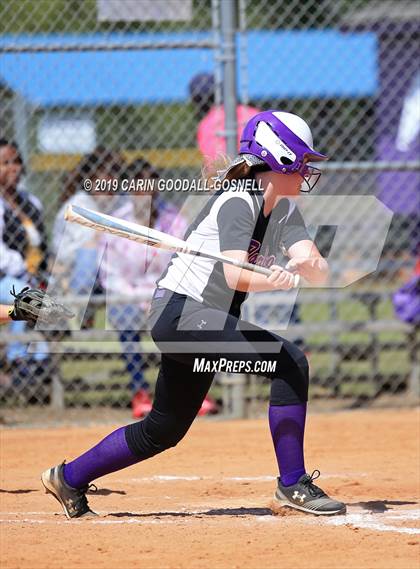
x=23, y=226
x=130, y=269
x=75, y=246
x=212, y=117
x=23, y=255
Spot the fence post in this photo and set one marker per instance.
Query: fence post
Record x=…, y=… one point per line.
x=238, y=397
x=228, y=57
x=233, y=395
x=57, y=388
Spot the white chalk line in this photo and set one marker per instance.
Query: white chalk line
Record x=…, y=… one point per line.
x=90, y=521
x=361, y=520
x=373, y=522
x=265, y=478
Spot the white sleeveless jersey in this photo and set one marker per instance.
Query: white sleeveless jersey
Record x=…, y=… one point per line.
x=231, y=220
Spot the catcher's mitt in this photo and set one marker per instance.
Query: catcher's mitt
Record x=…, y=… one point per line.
x=31, y=304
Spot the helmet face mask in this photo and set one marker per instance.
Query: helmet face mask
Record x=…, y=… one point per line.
x=283, y=142
x=310, y=175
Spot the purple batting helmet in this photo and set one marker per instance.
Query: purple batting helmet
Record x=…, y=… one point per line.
x=281, y=142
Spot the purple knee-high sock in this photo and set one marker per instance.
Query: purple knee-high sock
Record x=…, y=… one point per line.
x=287, y=426
x=111, y=454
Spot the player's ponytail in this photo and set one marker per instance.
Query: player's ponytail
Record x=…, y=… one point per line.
x=209, y=170
x=224, y=168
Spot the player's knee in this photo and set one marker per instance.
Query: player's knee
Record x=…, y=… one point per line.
x=291, y=385
x=148, y=437
x=167, y=435
x=297, y=362
x=301, y=375
x=303, y=365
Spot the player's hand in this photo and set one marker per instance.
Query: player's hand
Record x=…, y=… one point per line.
x=280, y=278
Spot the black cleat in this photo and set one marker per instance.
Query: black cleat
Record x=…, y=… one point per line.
x=307, y=497
x=73, y=500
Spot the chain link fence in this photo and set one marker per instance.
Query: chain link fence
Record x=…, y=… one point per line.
x=134, y=89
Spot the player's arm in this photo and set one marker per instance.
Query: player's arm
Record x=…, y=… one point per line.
x=236, y=223
x=248, y=281
x=307, y=261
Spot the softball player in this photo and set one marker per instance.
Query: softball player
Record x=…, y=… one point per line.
x=196, y=308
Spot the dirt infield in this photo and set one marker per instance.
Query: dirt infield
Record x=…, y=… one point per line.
x=206, y=503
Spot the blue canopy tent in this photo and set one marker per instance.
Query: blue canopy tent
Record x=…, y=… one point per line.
x=318, y=63
x=281, y=64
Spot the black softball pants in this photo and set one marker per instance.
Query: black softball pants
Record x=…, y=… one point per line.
x=184, y=330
